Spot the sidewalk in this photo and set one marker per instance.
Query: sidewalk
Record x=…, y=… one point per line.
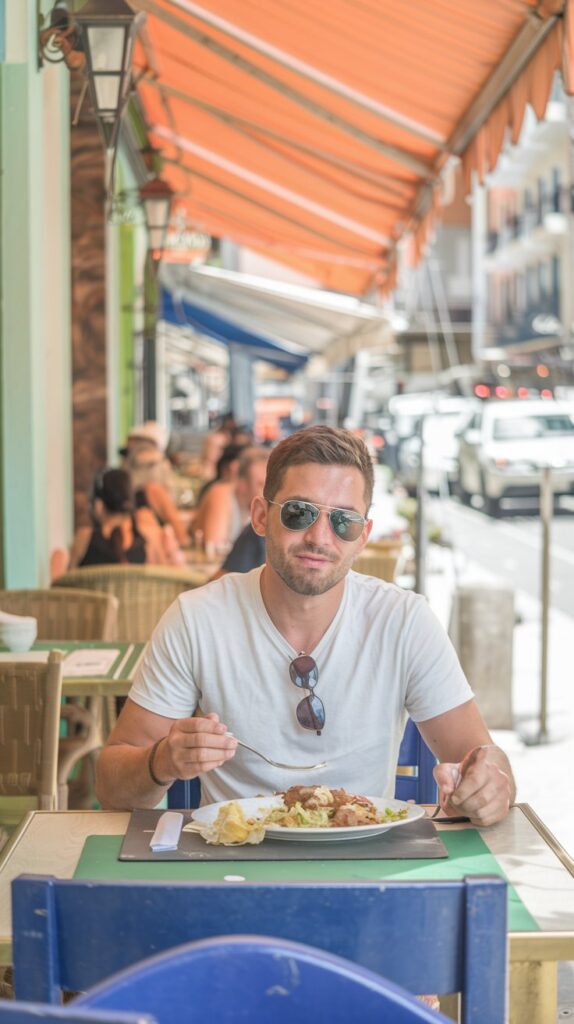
x=541, y=771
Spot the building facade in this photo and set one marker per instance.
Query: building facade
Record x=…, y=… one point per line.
x=523, y=246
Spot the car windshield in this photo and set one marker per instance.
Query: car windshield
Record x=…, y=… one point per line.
x=522, y=428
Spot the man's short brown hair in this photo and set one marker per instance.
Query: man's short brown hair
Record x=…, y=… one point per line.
x=326, y=446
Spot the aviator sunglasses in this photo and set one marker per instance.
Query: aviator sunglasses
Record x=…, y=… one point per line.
x=300, y=515
x=310, y=711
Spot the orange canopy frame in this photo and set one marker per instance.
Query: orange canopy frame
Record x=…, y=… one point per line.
x=317, y=131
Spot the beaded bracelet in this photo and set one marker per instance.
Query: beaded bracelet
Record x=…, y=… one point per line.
x=150, y=760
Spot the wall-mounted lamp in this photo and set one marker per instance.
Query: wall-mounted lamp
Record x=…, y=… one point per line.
x=98, y=38
x=156, y=197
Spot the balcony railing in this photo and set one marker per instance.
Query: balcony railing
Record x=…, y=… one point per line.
x=541, y=320
x=560, y=200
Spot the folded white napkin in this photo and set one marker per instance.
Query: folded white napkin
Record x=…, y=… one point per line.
x=167, y=832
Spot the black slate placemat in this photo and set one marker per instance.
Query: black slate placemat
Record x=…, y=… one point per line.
x=418, y=840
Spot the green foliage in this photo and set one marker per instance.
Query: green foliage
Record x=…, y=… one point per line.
x=408, y=510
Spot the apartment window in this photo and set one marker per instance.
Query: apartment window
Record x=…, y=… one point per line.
x=512, y=292
x=520, y=293
x=505, y=300
x=556, y=189
x=541, y=199
x=511, y=298
x=544, y=280
x=531, y=286
x=555, y=276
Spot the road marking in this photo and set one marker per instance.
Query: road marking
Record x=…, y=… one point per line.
x=555, y=549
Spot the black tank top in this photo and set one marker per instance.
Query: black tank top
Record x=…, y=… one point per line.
x=101, y=552
x=140, y=500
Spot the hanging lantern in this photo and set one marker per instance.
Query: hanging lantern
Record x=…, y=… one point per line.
x=156, y=197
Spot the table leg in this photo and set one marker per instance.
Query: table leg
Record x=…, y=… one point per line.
x=533, y=992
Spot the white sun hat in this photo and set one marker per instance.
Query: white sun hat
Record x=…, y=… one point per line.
x=151, y=431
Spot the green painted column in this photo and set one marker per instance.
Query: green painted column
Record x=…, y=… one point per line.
x=32, y=322
x=126, y=248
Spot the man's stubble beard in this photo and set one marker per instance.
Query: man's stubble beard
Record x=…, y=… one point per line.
x=302, y=581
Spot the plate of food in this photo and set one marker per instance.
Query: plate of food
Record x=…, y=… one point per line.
x=303, y=814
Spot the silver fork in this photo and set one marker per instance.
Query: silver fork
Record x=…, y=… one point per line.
x=279, y=764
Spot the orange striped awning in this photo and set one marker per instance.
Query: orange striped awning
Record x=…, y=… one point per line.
x=317, y=131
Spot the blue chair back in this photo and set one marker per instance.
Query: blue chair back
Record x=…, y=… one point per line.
x=14, y=1012
x=415, y=779
x=425, y=936
x=263, y=981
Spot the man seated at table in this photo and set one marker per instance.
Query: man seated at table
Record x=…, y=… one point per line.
x=304, y=660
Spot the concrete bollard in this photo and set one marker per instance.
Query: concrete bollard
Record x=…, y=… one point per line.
x=481, y=629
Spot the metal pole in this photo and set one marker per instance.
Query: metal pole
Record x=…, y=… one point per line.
x=420, y=525
x=149, y=367
x=546, y=509
x=149, y=377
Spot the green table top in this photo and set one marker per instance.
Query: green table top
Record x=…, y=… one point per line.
x=468, y=855
x=123, y=665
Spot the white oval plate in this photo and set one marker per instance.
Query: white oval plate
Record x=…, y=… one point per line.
x=258, y=806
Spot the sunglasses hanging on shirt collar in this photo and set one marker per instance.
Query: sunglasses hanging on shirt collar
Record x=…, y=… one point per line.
x=311, y=710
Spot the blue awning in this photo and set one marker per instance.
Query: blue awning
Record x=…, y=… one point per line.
x=183, y=313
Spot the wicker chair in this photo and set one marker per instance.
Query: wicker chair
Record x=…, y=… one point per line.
x=73, y=615
x=30, y=699
x=379, y=558
x=144, y=592
x=65, y=614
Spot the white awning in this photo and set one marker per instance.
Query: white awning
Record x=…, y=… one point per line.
x=302, y=321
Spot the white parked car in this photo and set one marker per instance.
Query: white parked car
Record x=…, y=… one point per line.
x=441, y=433
x=506, y=445
x=406, y=410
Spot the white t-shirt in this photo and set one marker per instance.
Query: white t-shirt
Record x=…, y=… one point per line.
x=384, y=656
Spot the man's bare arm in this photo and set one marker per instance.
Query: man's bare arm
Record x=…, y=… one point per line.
x=474, y=778
x=185, y=748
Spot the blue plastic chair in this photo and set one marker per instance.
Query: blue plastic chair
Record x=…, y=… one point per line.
x=424, y=936
x=14, y=1012
x=260, y=980
x=415, y=779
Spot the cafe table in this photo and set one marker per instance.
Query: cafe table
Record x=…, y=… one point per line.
x=90, y=669
x=540, y=872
